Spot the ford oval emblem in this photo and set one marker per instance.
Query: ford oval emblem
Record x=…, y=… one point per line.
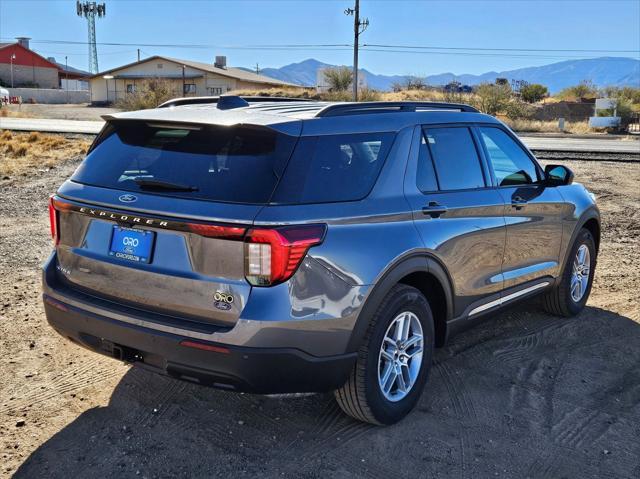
x=128, y=198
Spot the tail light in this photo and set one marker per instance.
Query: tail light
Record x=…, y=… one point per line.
x=55, y=207
x=273, y=255
x=53, y=221
x=218, y=231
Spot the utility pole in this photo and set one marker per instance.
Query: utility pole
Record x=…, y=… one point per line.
x=358, y=28
x=183, y=80
x=257, y=69
x=66, y=76
x=12, y=57
x=138, y=55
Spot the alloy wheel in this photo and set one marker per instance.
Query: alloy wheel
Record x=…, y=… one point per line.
x=400, y=357
x=580, y=273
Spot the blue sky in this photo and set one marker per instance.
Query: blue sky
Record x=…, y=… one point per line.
x=222, y=26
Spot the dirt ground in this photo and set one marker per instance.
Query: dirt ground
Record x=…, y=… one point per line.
x=71, y=111
x=522, y=395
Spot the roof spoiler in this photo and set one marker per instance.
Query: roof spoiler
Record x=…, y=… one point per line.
x=229, y=101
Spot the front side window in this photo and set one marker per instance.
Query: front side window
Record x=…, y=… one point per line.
x=511, y=165
x=455, y=158
x=333, y=168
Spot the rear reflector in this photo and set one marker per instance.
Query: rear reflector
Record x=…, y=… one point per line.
x=204, y=346
x=56, y=304
x=273, y=255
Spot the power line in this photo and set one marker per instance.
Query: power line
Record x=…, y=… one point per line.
x=196, y=46
x=553, y=50
x=474, y=54
x=84, y=54
x=339, y=45
x=369, y=47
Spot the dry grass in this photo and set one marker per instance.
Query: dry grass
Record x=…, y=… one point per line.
x=24, y=152
x=364, y=94
x=280, y=92
x=524, y=125
x=9, y=112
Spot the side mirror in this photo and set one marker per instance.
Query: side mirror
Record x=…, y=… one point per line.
x=558, y=175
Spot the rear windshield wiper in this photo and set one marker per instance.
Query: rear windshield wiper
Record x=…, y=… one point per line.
x=151, y=184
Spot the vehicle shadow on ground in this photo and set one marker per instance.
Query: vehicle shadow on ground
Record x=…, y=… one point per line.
x=522, y=395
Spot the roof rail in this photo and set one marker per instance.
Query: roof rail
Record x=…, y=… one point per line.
x=341, y=109
x=195, y=100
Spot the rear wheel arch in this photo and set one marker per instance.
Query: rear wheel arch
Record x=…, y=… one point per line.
x=422, y=272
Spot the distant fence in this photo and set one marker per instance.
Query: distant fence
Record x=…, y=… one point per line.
x=42, y=95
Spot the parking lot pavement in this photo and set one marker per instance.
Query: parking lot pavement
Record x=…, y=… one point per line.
x=51, y=125
x=581, y=144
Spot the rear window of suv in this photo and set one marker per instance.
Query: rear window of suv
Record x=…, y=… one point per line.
x=226, y=164
x=333, y=168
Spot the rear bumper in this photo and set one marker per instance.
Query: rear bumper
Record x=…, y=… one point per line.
x=249, y=369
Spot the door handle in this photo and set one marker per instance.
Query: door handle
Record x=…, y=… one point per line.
x=434, y=209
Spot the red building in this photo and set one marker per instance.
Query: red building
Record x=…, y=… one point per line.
x=22, y=67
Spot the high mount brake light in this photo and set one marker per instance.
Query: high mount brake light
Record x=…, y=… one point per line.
x=273, y=255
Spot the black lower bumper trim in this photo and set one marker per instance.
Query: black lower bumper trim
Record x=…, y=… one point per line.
x=255, y=370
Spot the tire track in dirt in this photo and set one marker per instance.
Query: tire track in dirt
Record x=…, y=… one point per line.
x=71, y=380
x=256, y=411
x=516, y=348
x=462, y=404
x=163, y=402
x=579, y=427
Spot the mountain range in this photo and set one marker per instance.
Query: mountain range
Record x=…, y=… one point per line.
x=604, y=71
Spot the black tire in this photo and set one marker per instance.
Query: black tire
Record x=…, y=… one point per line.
x=558, y=300
x=360, y=397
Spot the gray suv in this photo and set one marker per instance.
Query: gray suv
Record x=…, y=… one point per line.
x=276, y=246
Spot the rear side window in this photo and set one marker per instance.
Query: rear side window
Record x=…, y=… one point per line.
x=226, y=164
x=333, y=168
x=455, y=158
x=511, y=165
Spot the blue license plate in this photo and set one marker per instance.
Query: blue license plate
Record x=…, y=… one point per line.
x=131, y=244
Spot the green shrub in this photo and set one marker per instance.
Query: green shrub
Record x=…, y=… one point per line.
x=518, y=110
x=151, y=93
x=584, y=90
x=533, y=92
x=491, y=98
x=338, y=78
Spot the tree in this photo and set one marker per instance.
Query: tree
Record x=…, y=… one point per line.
x=533, y=92
x=149, y=94
x=491, y=98
x=585, y=89
x=415, y=83
x=339, y=78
